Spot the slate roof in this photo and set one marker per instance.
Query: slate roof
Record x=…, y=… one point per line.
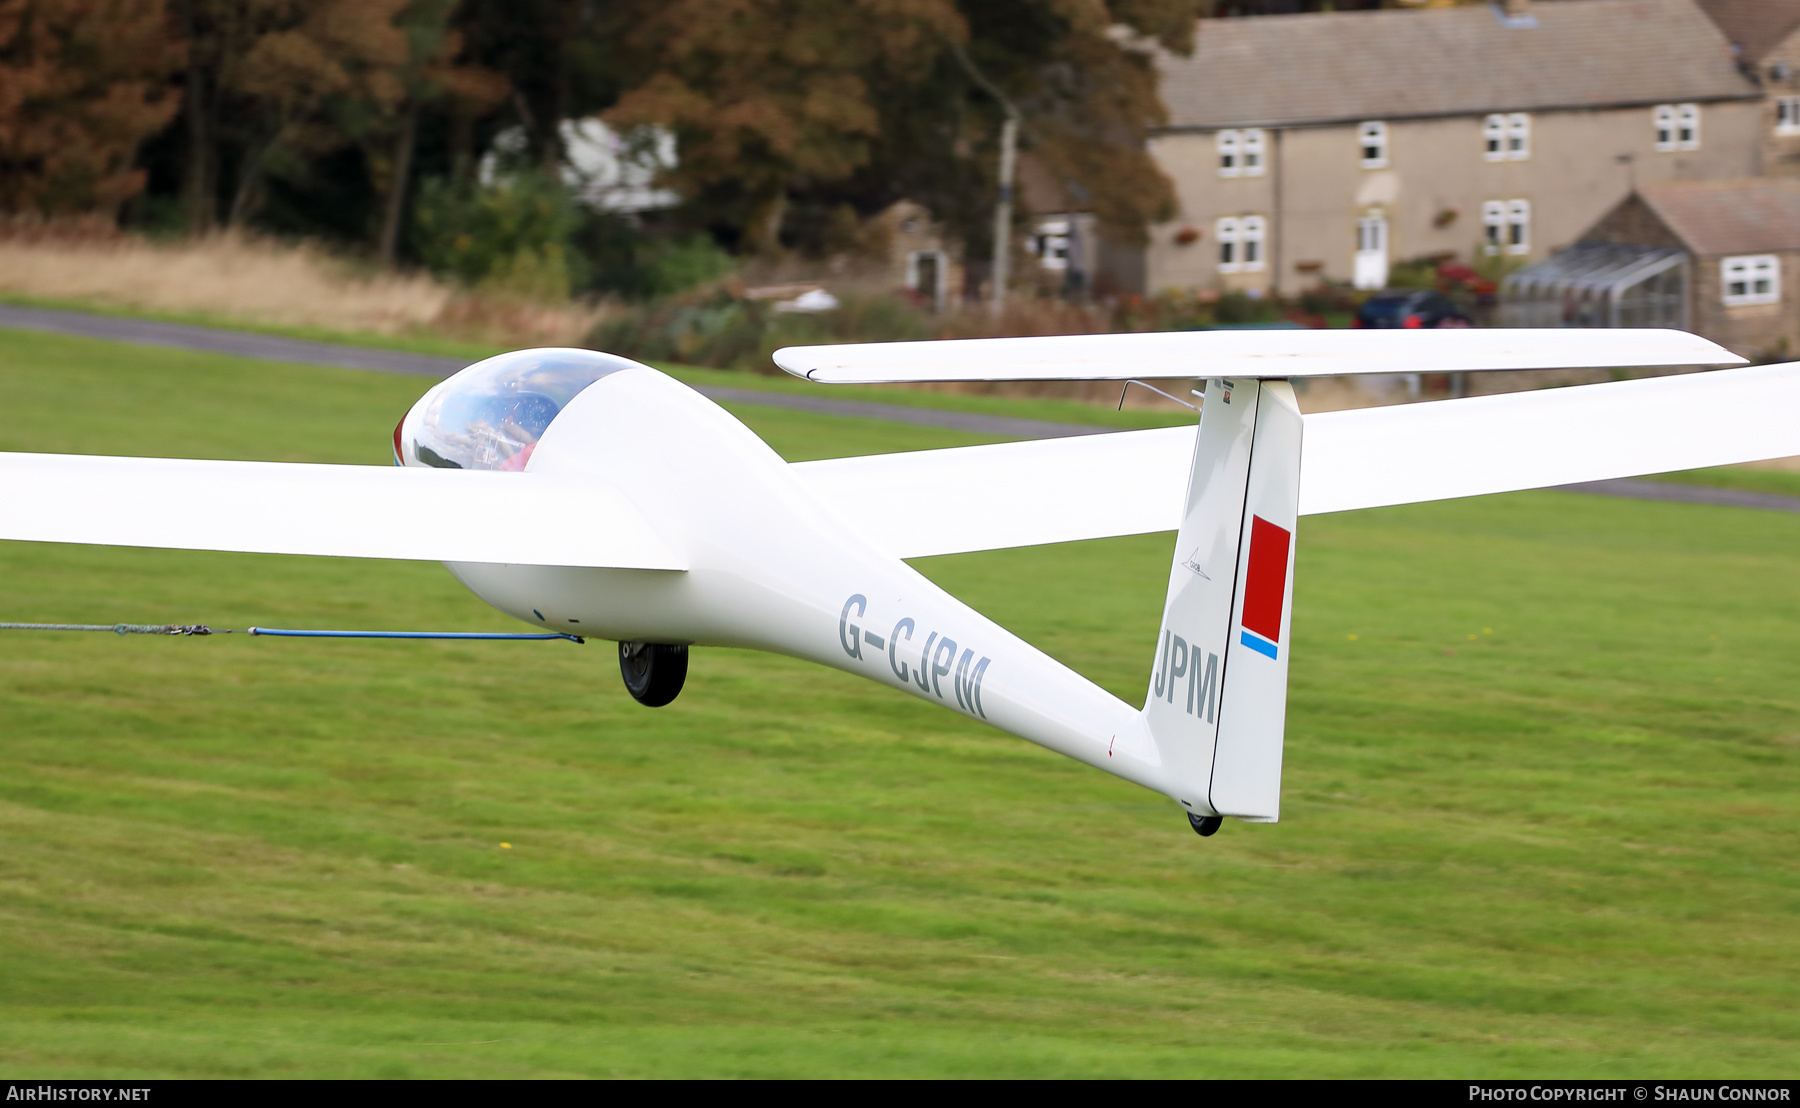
x=1753, y=215
x=1348, y=66
x=1758, y=26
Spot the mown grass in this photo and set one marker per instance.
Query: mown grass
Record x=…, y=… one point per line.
x=1540, y=813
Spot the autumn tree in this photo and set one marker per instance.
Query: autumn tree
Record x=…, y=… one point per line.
x=868, y=100
x=82, y=84
x=561, y=59
x=272, y=84
x=764, y=94
x=323, y=54
x=430, y=74
x=1084, y=77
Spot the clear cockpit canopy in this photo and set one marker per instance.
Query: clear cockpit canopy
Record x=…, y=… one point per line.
x=492, y=414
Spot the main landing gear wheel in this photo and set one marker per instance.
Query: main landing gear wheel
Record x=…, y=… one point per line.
x=1204, y=826
x=654, y=672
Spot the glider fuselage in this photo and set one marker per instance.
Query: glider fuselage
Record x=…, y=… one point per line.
x=770, y=568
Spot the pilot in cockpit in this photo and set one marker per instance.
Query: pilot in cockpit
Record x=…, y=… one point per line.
x=511, y=426
x=493, y=419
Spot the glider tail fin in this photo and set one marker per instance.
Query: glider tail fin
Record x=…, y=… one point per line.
x=1218, y=690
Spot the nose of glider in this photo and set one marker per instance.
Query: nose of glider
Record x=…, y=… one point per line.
x=491, y=415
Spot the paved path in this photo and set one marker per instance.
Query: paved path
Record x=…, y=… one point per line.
x=213, y=340
x=1688, y=494
x=247, y=344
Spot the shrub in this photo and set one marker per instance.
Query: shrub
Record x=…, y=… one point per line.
x=511, y=237
x=729, y=332
x=625, y=261
x=1240, y=307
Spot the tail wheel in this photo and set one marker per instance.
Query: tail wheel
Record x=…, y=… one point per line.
x=654, y=672
x=1204, y=826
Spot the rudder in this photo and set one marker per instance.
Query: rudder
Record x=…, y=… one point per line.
x=1218, y=690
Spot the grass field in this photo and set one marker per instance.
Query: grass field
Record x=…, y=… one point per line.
x=1543, y=776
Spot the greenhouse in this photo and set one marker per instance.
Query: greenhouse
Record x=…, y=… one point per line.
x=1599, y=284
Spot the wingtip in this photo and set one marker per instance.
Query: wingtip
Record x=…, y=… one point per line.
x=792, y=360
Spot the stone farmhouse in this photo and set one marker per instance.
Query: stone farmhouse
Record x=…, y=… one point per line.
x=1328, y=146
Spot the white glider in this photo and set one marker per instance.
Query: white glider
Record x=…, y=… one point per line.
x=589, y=494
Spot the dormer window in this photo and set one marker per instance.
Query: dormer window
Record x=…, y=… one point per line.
x=1372, y=137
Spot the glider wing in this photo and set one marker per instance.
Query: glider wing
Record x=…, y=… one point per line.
x=1250, y=353
x=349, y=511
x=1057, y=490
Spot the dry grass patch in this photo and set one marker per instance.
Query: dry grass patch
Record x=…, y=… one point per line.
x=253, y=280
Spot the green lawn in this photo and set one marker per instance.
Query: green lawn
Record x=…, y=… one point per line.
x=1541, y=807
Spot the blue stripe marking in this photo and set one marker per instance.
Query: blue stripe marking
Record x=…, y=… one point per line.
x=1258, y=644
x=291, y=634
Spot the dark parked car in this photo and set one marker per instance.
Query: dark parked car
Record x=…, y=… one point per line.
x=1410, y=308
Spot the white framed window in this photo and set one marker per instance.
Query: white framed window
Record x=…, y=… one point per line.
x=1687, y=126
x=1677, y=126
x=1493, y=226
x=1225, y=232
x=1251, y=231
x=1518, y=137
x=1230, y=157
x=1493, y=138
x=1518, y=227
x=1252, y=152
x=1050, y=242
x=1372, y=140
x=1750, y=279
x=1787, y=115
x=1665, y=126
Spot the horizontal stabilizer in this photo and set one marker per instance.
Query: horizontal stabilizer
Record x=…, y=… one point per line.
x=1248, y=353
x=439, y=515
x=1133, y=482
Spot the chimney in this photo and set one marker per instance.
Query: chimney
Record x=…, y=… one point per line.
x=1518, y=9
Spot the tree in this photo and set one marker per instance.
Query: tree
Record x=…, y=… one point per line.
x=82, y=83
x=345, y=51
x=271, y=85
x=430, y=74
x=867, y=101
x=1082, y=74
x=767, y=94
x=561, y=58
